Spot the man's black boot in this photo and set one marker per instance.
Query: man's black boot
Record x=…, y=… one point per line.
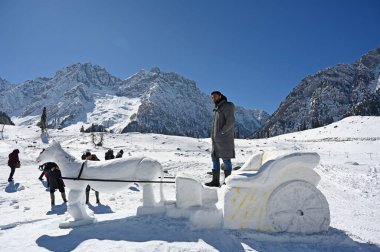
x=215, y=179
x=226, y=174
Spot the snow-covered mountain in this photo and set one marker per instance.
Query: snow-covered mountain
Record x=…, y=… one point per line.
x=148, y=101
x=68, y=96
x=172, y=104
x=4, y=85
x=328, y=96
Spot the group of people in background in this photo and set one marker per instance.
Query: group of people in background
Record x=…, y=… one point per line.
x=92, y=157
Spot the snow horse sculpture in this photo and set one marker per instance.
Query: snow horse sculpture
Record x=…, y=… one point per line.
x=130, y=169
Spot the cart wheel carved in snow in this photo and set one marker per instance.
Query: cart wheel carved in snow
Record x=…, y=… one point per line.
x=299, y=207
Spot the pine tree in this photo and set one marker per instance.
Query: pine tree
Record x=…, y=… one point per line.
x=315, y=123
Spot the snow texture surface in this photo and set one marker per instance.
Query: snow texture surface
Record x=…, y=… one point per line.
x=349, y=170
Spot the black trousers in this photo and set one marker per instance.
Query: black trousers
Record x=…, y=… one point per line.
x=88, y=188
x=60, y=187
x=12, y=173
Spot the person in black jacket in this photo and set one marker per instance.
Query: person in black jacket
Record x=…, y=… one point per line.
x=13, y=163
x=91, y=157
x=56, y=182
x=109, y=155
x=120, y=154
x=45, y=168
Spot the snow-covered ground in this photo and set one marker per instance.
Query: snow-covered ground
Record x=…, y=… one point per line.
x=349, y=167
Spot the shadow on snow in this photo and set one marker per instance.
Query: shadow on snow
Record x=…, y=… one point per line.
x=140, y=229
x=12, y=187
x=57, y=209
x=160, y=228
x=100, y=209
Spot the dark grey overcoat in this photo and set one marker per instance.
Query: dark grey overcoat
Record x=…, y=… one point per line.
x=222, y=132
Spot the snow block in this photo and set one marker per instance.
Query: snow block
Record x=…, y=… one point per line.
x=188, y=192
x=209, y=195
x=211, y=218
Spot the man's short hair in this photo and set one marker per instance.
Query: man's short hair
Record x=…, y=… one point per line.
x=216, y=92
x=88, y=154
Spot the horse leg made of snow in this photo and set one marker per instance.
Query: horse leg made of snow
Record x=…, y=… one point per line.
x=76, y=209
x=148, y=196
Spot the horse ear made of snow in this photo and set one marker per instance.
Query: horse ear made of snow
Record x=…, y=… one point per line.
x=55, y=144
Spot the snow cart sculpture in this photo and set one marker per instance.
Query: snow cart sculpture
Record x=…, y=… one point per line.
x=277, y=196
x=95, y=174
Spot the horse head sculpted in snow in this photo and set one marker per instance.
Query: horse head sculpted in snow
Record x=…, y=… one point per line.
x=131, y=169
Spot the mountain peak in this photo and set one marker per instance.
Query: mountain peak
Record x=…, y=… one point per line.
x=155, y=69
x=88, y=74
x=371, y=59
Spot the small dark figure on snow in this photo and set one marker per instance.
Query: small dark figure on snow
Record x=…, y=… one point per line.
x=91, y=157
x=120, y=154
x=109, y=155
x=43, y=120
x=56, y=182
x=13, y=163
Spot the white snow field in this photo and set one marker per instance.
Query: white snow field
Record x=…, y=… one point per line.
x=350, y=181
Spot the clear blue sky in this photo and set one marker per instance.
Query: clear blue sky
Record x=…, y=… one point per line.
x=255, y=52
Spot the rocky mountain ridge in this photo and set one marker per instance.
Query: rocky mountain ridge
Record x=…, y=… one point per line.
x=328, y=96
x=148, y=101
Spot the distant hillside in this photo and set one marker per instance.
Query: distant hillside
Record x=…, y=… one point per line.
x=4, y=119
x=328, y=96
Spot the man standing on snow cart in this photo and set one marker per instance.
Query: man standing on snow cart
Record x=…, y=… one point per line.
x=222, y=136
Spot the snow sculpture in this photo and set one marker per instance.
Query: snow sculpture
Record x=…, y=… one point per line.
x=254, y=162
x=188, y=192
x=280, y=196
x=196, y=202
x=191, y=193
x=132, y=169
